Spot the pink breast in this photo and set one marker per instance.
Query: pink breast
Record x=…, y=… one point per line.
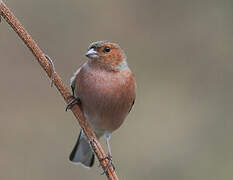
x=107, y=97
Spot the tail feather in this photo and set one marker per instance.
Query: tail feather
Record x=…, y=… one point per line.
x=82, y=152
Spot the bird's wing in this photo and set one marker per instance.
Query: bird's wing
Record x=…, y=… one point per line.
x=72, y=80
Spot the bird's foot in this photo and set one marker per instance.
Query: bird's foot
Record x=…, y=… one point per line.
x=73, y=102
x=110, y=163
x=109, y=157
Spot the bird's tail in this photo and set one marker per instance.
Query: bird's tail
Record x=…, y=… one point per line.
x=82, y=152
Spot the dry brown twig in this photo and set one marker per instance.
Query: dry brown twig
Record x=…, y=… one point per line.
x=57, y=81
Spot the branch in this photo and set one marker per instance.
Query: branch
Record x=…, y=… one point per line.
x=64, y=91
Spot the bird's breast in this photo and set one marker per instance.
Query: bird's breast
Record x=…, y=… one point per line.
x=106, y=97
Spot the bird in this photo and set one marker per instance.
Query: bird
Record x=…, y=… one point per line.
x=105, y=89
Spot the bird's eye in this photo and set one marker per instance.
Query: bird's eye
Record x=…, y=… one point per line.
x=107, y=49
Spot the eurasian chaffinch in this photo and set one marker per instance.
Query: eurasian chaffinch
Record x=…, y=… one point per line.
x=105, y=88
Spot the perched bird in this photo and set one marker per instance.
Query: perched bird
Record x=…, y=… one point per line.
x=105, y=88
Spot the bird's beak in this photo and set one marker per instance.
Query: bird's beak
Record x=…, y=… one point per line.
x=91, y=53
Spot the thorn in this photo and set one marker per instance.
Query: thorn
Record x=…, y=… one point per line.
x=52, y=69
x=92, y=140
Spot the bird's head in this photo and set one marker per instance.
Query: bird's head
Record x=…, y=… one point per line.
x=107, y=53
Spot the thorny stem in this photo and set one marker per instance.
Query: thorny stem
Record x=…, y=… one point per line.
x=57, y=81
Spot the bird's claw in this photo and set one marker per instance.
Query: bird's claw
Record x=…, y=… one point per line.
x=72, y=103
x=110, y=163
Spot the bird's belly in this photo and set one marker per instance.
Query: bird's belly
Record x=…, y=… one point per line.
x=106, y=103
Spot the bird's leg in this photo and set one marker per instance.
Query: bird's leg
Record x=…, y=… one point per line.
x=109, y=156
x=76, y=100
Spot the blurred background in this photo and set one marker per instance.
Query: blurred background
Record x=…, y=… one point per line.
x=181, y=53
